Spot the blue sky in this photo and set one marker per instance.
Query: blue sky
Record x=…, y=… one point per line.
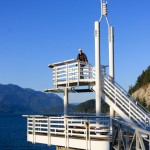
x=34, y=33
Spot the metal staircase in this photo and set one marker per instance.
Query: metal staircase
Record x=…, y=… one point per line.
x=124, y=104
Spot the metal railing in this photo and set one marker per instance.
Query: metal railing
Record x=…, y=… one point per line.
x=125, y=102
x=68, y=127
x=71, y=71
x=124, y=136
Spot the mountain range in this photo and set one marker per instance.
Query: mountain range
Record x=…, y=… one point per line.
x=17, y=100
x=14, y=99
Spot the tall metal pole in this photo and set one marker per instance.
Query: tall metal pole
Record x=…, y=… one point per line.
x=65, y=101
x=97, y=69
x=111, y=52
x=111, y=65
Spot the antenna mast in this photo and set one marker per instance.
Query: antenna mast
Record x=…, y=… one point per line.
x=97, y=57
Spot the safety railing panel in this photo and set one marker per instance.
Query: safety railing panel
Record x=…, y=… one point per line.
x=69, y=127
x=74, y=71
x=125, y=102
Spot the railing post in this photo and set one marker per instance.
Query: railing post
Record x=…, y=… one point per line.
x=66, y=132
x=90, y=71
x=56, y=77
x=27, y=128
x=66, y=75
x=79, y=74
x=129, y=109
x=34, y=130
x=49, y=135
x=87, y=133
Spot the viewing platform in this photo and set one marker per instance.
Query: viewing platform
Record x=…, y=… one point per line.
x=71, y=74
x=88, y=133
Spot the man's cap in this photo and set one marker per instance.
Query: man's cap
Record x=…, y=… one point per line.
x=80, y=49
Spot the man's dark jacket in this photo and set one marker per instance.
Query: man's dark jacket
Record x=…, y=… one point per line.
x=82, y=57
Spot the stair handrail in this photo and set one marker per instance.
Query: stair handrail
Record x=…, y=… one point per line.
x=126, y=93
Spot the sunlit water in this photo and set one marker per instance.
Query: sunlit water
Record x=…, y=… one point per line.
x=13, y=134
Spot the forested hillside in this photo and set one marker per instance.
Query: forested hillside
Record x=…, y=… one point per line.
x=141, y=90
x=141, y=81
x=89, y=107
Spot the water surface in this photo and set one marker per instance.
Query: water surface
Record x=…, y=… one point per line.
x=13, y=135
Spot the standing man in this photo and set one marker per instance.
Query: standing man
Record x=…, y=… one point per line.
x=83, y=60
x=81, y=56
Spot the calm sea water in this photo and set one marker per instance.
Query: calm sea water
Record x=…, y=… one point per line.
x=13, y=134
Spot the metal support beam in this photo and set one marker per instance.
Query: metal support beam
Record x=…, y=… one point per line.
x=111, y=65
x=97, y=69
x=65, y=101
x=111, y=52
